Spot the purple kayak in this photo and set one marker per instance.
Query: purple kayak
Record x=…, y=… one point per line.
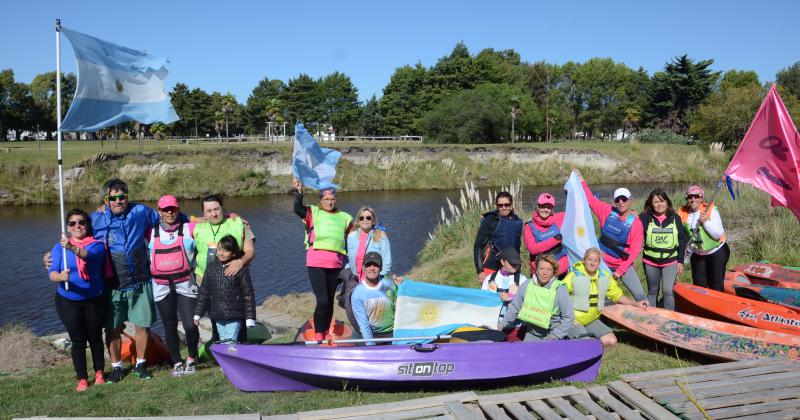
x=291, y=367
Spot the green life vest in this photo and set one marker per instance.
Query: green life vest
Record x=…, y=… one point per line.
x=661, y=243
x=329, y=230
x=539, y=304
x=581, y=289
x=207, y=235
x=707, y=243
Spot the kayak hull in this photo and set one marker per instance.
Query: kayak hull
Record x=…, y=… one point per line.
x=777, y=295
x=715, y=339
x=707, y=303
x=301, y=368
x=770, y=275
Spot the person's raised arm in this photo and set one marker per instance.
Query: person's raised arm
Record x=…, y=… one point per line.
x=299, y=208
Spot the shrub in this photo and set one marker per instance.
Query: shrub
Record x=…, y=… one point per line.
x=660, y=135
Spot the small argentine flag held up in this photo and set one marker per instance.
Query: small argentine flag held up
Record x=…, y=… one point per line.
x=116, y=84
x=313, y=165
x=578, y=227
x=426, y=310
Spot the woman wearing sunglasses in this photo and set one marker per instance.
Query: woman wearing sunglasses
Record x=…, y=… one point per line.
x=710, y=252
x=80, y=307
x=620, y=237
x=499, y=229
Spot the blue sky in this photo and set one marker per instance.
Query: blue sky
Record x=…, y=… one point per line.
x=228, y=46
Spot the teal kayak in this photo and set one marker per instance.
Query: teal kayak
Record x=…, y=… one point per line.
x=779, y=295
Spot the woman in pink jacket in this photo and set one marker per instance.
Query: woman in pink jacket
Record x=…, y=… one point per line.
x=542, y=234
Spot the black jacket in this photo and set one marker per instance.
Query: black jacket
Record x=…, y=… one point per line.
x=226, y=298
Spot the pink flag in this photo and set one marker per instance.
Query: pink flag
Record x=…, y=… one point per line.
x=769, y=155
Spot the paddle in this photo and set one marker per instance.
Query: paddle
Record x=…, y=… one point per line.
x=375, y=340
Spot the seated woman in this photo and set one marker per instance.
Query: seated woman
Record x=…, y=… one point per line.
x=506, y=281
x=542, y=303
x=589, y=287
x=373, y=300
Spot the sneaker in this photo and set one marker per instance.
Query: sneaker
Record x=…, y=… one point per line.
x=189, y=369
x=141, y=371
x=99, y=379
x=116, y=375
x=179, y=369
x=83, y=385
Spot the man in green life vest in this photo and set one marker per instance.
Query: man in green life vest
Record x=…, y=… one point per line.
x=590, y=286
x=206, y=235
x=542, y=303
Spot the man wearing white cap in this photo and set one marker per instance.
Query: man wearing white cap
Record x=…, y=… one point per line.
x=621, y=237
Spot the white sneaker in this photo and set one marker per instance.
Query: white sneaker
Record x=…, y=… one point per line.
x=179, y=369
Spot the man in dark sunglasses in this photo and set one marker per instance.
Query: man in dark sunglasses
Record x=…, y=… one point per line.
x=499, y=229
x=621, y=237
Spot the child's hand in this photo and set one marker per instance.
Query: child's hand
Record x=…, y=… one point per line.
x=504, y=296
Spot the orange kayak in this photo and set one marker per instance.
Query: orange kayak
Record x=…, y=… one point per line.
x=770, y=275
x=707, y=303
x=339, y=329
x=719, y=340
x=157, y=352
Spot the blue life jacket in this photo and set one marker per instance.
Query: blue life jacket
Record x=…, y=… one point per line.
x=124, y=236
x=614, y=235
x=507, y=233
x=558, y=251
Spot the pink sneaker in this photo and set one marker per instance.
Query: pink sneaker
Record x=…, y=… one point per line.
x=83, y=385
x=99, y=379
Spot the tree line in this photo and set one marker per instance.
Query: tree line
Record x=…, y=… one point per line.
x=490, y=97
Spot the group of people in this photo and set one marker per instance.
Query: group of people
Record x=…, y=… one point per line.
x=563, y=301
x=125, y=261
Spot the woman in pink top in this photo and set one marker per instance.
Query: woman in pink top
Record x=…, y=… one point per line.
x=620, y=237
x=542, y=234
x=665, y=242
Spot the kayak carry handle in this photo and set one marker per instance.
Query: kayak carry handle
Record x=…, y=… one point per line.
x=425, y=348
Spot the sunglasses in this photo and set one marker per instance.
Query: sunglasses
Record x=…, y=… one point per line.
x=694, y=196
x=545, y=206
x=502, y=205
x=372, y=265
x=621, y=199
x=170, y=210
x=120, y=197
x=365, y=218
x=81, y=222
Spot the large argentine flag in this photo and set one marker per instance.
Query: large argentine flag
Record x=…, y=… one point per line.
x=425, y=310
x=116, y=84
x=578, y=228
x=313, y=165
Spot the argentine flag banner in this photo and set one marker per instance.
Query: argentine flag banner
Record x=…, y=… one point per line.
x=578, y=228
x=313, y=165
x=116, y=84
x=426, y=310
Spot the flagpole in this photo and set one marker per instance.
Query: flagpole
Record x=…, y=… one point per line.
x=60, y=161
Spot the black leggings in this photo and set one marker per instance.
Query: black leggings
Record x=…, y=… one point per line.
x=709, y=270
x=173, y=305
x=323, y=284
x=84, y=321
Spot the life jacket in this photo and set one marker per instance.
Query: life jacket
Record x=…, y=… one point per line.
x=661, y=241
x=703, y=240
x=581, y=292
x=558, y=251
x=507, y=233
x=169, y=264
x=539, y=304
x=614, y=235
x=206, y=238
x=127, y=251
x=329, y=230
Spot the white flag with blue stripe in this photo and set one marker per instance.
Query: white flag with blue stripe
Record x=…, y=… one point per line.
x=116, y=84
x=578, y=227
x=426, y=310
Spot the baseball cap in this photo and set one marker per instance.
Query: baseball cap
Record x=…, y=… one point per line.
x=168, y=201
x=546, y=198
x=622, y=192
x=511, y=255
x=373, y=257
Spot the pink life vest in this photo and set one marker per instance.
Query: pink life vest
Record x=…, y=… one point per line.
x=169, y=263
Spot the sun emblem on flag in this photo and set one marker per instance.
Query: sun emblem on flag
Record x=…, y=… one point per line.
x=429, y=314
x=119, y=85
x=580, y=231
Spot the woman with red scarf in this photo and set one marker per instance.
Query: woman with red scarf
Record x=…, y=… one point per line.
x=542, y=235
x=80, y=305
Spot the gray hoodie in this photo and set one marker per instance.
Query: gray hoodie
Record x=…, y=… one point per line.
x=560, y=324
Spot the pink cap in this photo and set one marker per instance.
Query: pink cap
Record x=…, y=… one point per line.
x=546, y=198
x=695, y=189
x=168, y=201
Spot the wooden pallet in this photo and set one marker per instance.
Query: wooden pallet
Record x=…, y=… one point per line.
x=596, y=402
x=766, y=388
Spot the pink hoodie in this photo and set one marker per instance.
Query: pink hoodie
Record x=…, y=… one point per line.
x=539, y=247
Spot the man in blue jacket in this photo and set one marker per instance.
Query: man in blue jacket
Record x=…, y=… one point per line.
x=122, y=226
